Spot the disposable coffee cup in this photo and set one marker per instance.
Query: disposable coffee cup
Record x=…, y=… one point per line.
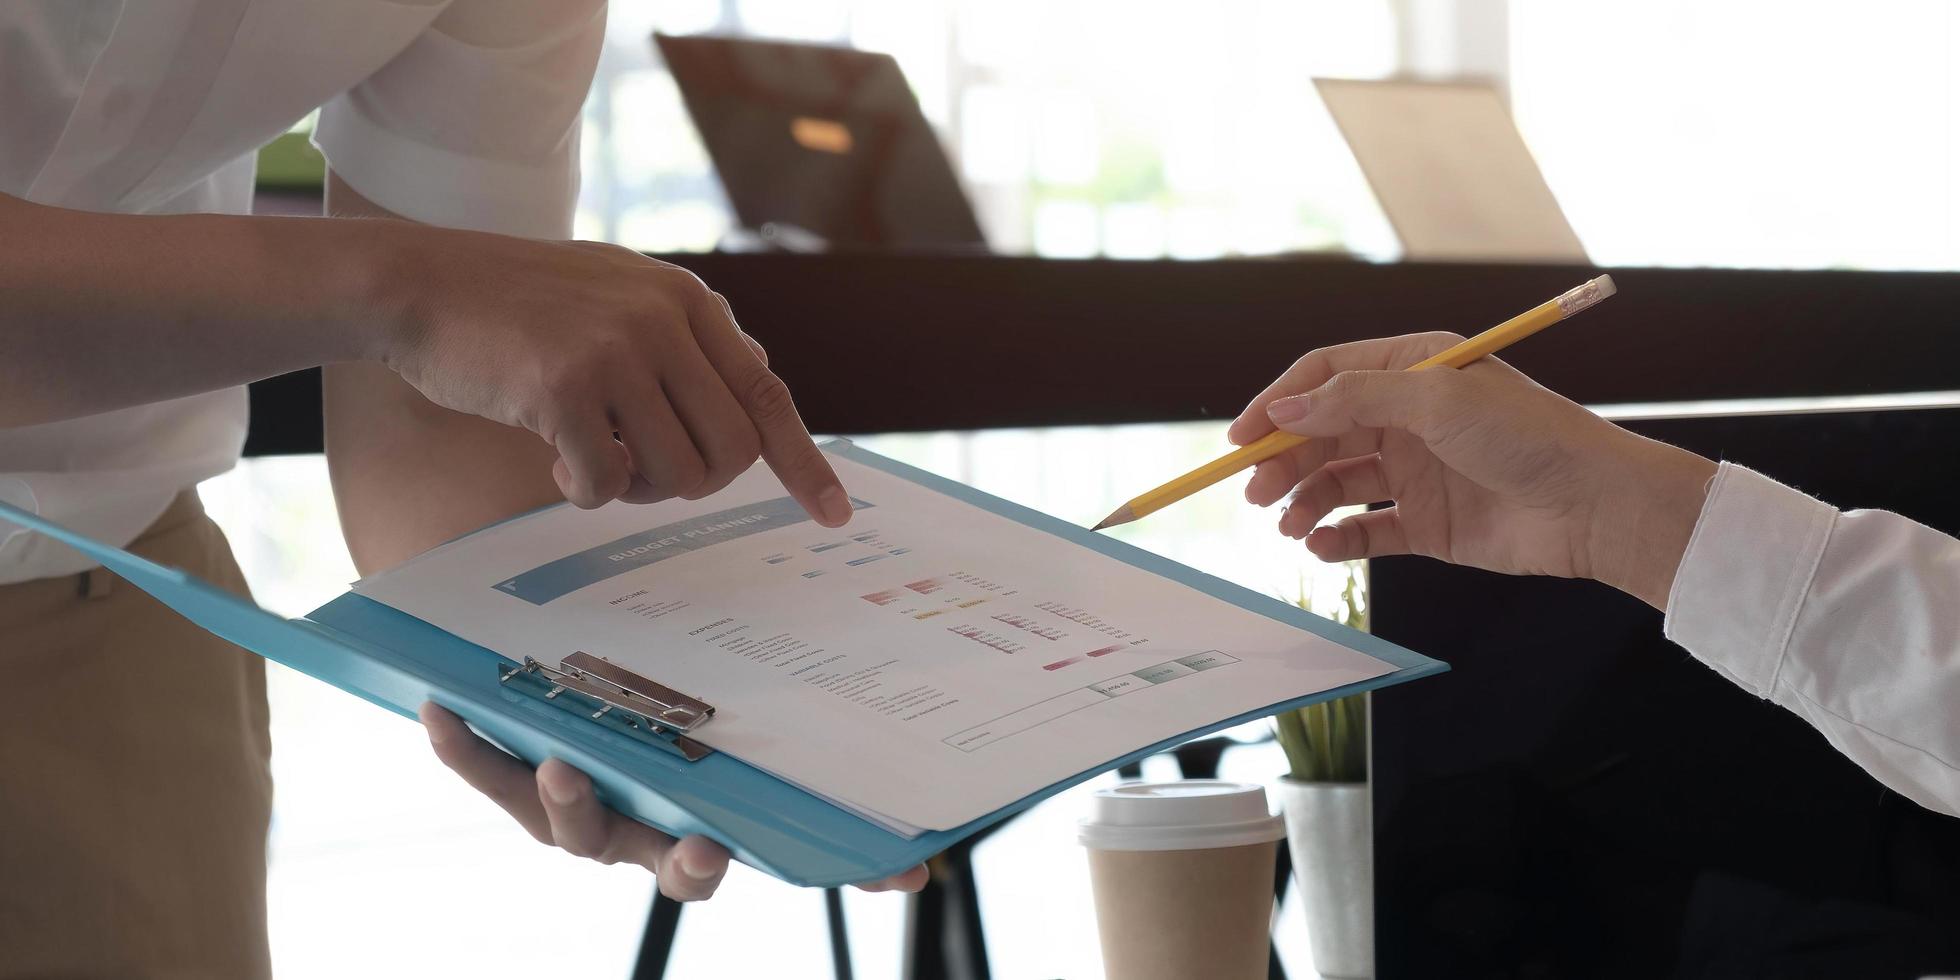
x=1183, y=878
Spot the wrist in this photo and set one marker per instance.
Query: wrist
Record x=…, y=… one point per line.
x=371, y=260
x=1641, y=529
x=327, y=280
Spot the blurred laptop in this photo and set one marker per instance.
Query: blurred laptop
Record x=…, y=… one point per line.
x=820, y=146
x=1451, y=171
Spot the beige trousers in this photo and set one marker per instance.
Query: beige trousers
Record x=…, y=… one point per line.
x=135, y=785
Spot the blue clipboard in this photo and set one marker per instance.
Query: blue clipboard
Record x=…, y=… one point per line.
x=398, y=662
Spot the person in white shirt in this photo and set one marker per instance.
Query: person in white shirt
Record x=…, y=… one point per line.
x=477, y=365
x=1850, y=619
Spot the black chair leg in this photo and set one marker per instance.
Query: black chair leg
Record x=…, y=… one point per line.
x=840, y=941
x=657, y=943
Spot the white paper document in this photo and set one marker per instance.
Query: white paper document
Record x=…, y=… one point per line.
x=925, y=665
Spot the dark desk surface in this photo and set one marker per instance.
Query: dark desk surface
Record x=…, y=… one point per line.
x=885, y=342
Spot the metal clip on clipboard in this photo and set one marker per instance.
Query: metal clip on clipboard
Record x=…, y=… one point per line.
x=628, y=703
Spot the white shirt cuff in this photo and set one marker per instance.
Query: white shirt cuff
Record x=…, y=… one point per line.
x=1745, y=575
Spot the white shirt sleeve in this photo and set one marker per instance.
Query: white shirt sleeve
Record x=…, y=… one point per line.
x=1851, y=620
x=476, y=123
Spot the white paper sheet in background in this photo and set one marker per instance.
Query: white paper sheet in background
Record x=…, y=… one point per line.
x=925, y=665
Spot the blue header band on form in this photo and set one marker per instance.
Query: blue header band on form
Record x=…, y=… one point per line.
x=574, y=572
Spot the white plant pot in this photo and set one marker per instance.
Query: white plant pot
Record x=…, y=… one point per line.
x=1330, y=832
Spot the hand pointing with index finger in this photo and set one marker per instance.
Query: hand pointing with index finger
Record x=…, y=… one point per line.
x=785, y=443
x=632, y=369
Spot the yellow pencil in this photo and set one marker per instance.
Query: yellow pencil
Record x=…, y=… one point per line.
x=1489, y=342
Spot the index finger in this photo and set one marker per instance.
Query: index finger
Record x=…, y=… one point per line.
x=786, y=443
x=1313, y=370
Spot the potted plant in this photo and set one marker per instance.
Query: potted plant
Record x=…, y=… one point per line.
x=1329, y=819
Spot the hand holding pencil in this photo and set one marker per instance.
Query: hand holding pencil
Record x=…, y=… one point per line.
x=1456, y=355
x=1483, y=466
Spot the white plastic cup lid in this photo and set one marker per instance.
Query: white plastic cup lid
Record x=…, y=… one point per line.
x=1189, y=814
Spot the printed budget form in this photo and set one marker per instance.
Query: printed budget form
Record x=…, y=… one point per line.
x=924, y=665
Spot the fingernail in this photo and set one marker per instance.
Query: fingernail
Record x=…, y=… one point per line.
x=692, y=870
x=1288, y=410
x=560, y=789
x=836, y=505
x=438, y=732
x=1319, y=539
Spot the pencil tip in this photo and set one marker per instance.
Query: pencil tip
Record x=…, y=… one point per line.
x=1121, y=516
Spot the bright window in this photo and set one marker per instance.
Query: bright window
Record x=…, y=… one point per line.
x=1081, y=127
x=1747, y=132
